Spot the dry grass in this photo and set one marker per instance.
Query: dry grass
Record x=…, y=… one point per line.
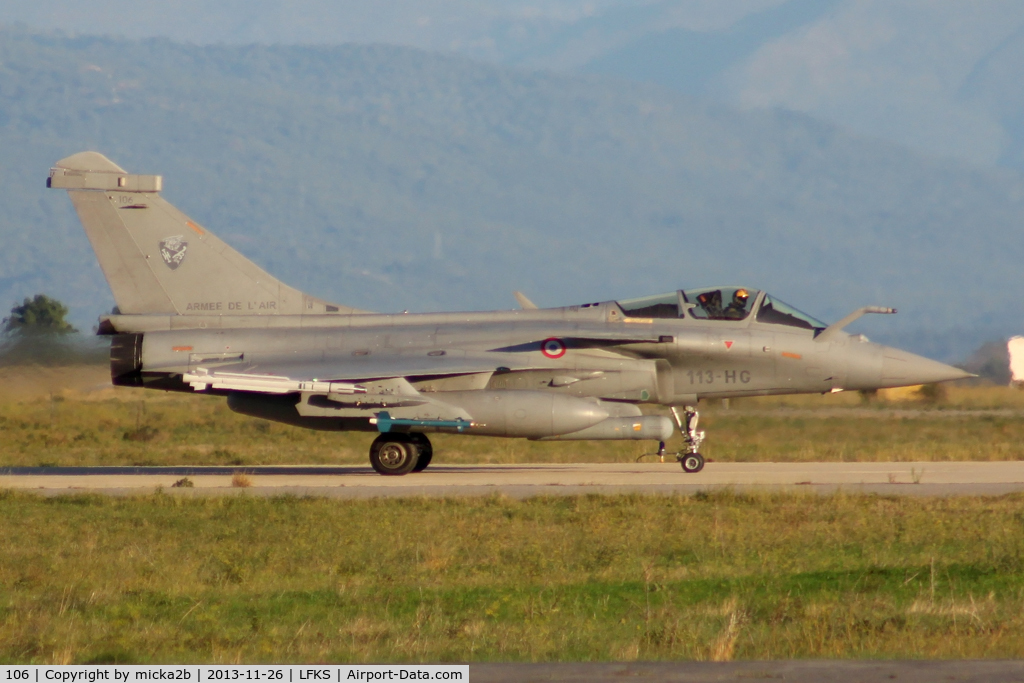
x=725, y=645
x=240, y=480
x=171, y=579
x=953, y=396
x=27, y=383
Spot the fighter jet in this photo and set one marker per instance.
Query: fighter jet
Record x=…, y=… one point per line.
x=194, y=315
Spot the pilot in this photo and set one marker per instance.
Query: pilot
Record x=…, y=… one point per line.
x=737, y=309
x=711, y=302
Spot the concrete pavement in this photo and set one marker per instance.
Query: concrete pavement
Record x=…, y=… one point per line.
x=524, y=480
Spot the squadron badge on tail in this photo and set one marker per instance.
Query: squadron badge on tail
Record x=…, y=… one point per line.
x=172, y=250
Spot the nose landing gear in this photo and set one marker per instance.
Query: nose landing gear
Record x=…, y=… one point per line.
x=689, y=457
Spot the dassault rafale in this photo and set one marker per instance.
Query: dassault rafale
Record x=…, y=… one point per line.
x=194, y=315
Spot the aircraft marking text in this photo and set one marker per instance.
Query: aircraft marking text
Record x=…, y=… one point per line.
x=232, y=306
x=710, y=376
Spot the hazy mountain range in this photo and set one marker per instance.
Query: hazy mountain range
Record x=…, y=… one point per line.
x=939, y=76
x=392, y=178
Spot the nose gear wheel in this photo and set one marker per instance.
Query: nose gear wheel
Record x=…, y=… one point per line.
x=694, y=462
x=689, y=457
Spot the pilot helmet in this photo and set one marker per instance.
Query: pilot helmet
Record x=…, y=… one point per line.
x=741, y=295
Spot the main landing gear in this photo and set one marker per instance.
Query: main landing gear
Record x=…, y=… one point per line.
x=689, y=457
x=396, y=453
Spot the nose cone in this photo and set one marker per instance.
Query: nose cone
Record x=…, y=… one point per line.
x=901, y=369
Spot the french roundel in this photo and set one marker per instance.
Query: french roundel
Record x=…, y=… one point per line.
x=553, y=348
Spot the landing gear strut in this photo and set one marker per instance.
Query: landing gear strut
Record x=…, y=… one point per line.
x=395, y=453
x=689, y=457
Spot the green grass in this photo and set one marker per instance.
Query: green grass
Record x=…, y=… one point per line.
x=134, y=427
x=240, y=579
x=736, y=437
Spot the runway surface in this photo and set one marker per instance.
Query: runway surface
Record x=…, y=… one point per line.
x=810, y=671
x=796, y=671
x=526, y=480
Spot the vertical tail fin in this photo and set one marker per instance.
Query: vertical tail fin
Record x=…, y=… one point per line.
x=157, y=260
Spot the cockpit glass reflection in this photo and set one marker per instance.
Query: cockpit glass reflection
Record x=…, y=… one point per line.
x=720, y=303
x=780, y=313
x=657, y=306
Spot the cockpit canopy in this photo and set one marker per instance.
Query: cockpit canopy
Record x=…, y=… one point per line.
x=780, y=313
x=719, y=303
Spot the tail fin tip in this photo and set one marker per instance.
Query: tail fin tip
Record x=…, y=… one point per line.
x=89, y=162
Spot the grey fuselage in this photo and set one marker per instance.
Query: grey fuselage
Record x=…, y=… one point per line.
x=607, y=356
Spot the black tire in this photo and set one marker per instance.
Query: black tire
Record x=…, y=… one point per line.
x=426, y=450
x=393, y=455
x=692, y=463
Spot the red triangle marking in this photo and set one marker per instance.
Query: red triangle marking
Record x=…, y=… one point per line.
x=728, y=344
